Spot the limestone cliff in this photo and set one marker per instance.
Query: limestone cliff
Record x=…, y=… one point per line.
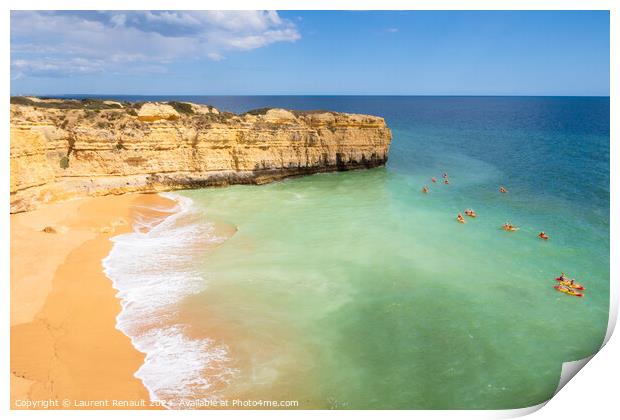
x=66, y=148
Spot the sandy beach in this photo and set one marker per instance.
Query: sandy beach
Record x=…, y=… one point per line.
x=64, y=344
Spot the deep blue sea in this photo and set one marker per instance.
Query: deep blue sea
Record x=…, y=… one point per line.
x=356, y=290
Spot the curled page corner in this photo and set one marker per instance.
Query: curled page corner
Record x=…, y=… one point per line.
x=570, y=369
x=613, y=316
x=520, y=412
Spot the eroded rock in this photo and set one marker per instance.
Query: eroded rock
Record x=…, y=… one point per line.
x=153, y=111
x=61, y=153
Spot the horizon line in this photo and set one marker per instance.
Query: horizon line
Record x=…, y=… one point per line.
x=59, y=95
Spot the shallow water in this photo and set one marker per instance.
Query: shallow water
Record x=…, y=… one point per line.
x=355, y=290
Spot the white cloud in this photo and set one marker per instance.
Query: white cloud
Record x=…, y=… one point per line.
x=52, y=67
x=172, y=18
x=69, y=43
x=118, y=20
x=215, y=56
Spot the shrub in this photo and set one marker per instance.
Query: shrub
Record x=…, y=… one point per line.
x=20, y=100
x=258, y=111
x=65, y=103
x=64, y=162
x=181, y=107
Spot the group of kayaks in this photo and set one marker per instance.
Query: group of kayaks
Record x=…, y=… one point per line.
x=468, y=212
x=509, y=227
x=565, y=285
x=568, y=286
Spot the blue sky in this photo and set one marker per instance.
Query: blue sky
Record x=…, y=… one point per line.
x=312, y=52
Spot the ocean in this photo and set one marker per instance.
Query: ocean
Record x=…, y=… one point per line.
x=355, y=290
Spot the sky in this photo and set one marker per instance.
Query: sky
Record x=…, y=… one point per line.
x=310, y=52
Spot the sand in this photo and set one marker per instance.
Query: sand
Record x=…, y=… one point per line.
x=64, y=344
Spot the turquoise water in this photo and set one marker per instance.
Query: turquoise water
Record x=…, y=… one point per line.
x=355, y=290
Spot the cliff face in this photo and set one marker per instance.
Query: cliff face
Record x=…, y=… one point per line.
x=63, y=149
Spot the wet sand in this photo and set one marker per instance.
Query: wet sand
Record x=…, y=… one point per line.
x=64, y=344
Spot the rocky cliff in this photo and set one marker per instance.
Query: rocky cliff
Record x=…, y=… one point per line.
x=66, y=148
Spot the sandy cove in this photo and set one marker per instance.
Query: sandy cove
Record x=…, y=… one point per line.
x=64, y=344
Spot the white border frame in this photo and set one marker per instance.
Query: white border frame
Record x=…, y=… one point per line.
x=594, y=393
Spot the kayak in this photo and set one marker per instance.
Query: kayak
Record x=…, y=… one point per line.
x=567, y=283
x=471, y=214
x=511, y=229
x=568, y=291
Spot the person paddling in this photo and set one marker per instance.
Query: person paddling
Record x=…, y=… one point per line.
x=509, y=227
x=425, y=190
x=543, y=235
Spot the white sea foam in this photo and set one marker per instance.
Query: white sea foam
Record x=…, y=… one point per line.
x=153, y=268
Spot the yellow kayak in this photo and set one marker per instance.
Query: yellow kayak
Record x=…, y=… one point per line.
x=568, y=291
x=573, y=285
